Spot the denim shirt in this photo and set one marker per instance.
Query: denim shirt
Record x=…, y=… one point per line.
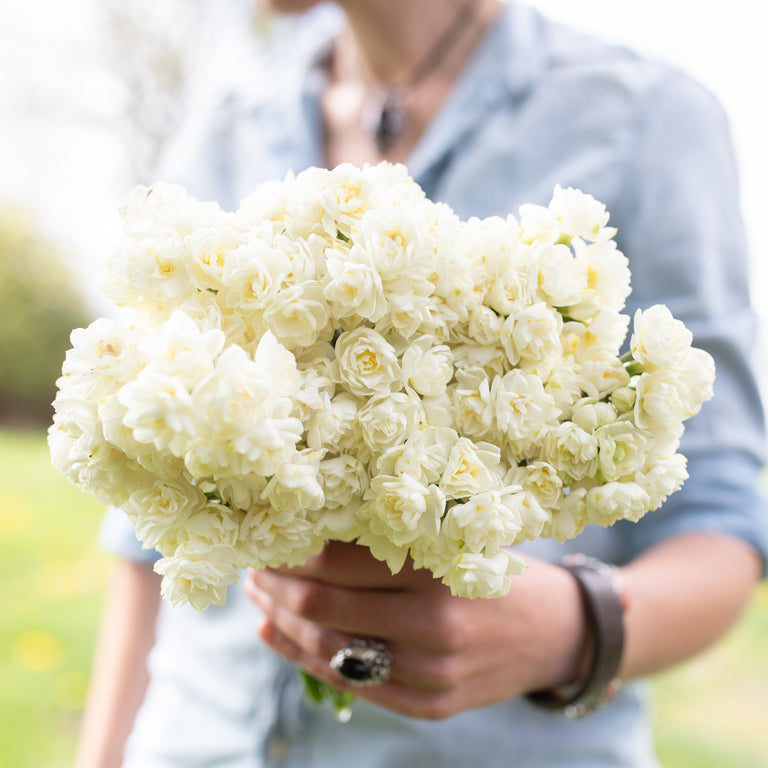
x=537, y=105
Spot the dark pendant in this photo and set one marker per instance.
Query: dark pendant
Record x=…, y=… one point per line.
x=385, y=119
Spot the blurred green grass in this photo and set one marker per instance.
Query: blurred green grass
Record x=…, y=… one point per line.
x=711, y=712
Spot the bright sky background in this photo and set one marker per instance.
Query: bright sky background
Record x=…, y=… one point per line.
x=60, y=155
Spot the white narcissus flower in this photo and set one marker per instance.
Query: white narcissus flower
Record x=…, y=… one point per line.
x=250, y=425
x=344, y=197
x=344, y=478
x=663, y=400
x=662, y=478
x=533, y=516
x=486, y=520
x=439, y=410
x=532, y=334
x=561, y=278
x=208, y=249
x=155, y=270
x=254, y=272
x=470, y=469
x=181, y=349
x=541, y=479
x=424, y=455
x=271, y=537
x=267, y=202
x=298, y=315
x=476, y=575
x=366, y=363
x=492, y=360
x=600, y=377
x=590, y=414
x=388, y=420
x=335, y=424
x=621, y=449
x=354, y=288
x=522, y=408
x=658, y=340
x=239, y=491
x=198, y=575
x=295, y=485
x=597, y=340
x=572, y=450
x=569, y=518
x=474, y=413
x=427, y=366
x=697, y=370
x=579, y=215
x=607, y=272
x=511, y=291
x=213, y=525
x=392, y=185
x=484, y=326
x=404, y=509
x=562, y=380
x=160, y=511
x=616, y=501
x=167, y=207
x=537, y=224
x=379, y=543
x=409, y=307
x=160, y=411
x=103, y=356
x=398, y=242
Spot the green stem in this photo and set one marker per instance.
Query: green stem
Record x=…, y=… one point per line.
x=319, y=692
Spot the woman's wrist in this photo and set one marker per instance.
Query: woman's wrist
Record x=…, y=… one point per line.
x=555, y=625
x=595, y=679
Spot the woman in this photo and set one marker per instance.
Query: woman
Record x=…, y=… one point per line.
x=490, y=106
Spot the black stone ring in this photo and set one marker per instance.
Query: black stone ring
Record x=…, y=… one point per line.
x=363, y=661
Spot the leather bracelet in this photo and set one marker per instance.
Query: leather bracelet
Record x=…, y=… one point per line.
x=603, y=600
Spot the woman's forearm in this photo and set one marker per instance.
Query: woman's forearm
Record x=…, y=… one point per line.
x=119, y=676
x=682, y=595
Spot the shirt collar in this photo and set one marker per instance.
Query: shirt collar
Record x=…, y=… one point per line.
x=504, y=66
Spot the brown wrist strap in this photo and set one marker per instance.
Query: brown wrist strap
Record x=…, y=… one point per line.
x=604, y=612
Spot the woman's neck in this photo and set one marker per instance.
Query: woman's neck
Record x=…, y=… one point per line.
x=391, y=37
x=390, y=44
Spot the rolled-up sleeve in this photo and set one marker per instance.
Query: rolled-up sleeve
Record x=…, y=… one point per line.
x=118, y=537
x=687, y=247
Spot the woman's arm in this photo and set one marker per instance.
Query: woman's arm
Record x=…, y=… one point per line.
x=683, y=594
x=451, y=654
x=120, y=673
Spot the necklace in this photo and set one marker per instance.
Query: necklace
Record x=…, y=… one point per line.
x=383, y=113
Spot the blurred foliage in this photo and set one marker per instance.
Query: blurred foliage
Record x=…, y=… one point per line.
x=39, y=306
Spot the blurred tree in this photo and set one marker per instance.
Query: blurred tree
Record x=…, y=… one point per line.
x=167, y=53
x=151, y=45
x=39, y=306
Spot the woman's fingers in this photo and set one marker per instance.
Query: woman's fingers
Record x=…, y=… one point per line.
x=402, y=697
x=406, y=617
x=315, y=644
x=352, y=566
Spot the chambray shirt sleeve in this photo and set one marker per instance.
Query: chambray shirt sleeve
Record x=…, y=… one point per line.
x=117, y=536
x=688, y=251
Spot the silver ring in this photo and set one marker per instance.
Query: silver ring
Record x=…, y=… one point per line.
x=363, y=661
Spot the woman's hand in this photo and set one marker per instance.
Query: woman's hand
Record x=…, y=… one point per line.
x=449, y=654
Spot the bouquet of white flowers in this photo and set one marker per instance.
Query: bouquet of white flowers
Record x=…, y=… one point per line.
x=342, y=358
